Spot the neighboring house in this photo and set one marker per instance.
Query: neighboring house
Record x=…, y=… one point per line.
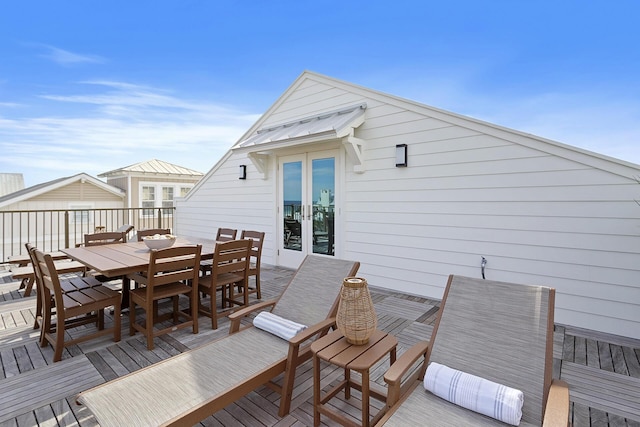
x=322, y=162
x=152, y=184
x=81, y=193
x=94, y=204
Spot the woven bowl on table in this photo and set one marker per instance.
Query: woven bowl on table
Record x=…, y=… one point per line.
x=159, y=241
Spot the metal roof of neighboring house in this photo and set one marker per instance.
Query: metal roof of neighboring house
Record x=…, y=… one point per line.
x=334, y=124
x=152, y=167
x=35, y=190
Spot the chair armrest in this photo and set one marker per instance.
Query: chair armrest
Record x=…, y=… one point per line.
x=557, y=410
x=394, y=375
x=309, y=332
x=237, y=316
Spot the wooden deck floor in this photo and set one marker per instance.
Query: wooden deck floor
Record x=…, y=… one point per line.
x=603, y=371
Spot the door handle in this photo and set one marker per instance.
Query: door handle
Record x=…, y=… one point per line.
x=309, y=212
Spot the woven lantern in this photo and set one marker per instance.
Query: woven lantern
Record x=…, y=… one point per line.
x=356, y=317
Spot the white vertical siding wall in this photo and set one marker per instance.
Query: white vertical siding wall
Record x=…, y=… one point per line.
x=536, y=217
x=223, y=200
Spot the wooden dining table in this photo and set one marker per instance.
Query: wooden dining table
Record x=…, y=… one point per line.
x=117, y=260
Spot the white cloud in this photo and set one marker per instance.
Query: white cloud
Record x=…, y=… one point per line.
x=66, y=58
x=605, y=124
x=119, y=125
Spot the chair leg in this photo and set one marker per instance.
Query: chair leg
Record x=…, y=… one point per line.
x=193, y=307
x=45, y=327
x=176, y=317
x=132, y=317
x=116, y=321
x=100, y=319
x=245, y=293
x=59, y=346
x=214, y=309
x=287, y=382
x=36, y=324
x=148, y=323
x=258, y=293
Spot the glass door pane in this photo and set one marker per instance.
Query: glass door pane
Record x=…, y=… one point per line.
x=323, y=204
x=292, y=205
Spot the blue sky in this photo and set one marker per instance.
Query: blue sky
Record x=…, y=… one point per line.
x=89, y=86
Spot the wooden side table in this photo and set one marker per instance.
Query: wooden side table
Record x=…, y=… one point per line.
x=335, y=349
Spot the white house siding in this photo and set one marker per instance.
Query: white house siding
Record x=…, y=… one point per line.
x=538, y=211
x=76, y=192
x=223, y=200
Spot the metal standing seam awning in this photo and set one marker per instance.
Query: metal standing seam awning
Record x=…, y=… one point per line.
x=331, y=125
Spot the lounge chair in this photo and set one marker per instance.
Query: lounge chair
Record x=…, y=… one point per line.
x=501, y=332
x=189, y=387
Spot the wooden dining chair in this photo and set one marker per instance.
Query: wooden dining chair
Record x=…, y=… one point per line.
x=69, y=284
x=69, y=306
x=223, y=235
x=105, y=238
x=172, y=272
x=230, y=267
x=226, y=234
x=257, y=238
x=152, y=232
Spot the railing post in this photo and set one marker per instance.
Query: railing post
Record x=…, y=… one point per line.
x=66, y=229
x=159, y=218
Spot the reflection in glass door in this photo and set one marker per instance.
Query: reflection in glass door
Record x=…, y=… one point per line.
x=323, y=204
x=292, y=205
x=308, y=206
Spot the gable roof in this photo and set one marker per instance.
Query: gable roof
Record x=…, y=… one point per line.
x=244, y=143
x=586, y=157
x=45, y=187
x=155, y=167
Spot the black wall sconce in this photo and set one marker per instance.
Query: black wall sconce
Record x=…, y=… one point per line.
x=401, y=155
x=243, y=172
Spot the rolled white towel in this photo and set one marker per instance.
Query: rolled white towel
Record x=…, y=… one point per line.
x=279, y=326
x=475, y=393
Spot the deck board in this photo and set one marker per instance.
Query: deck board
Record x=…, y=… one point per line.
x=37, y=387
x=602, y=390
x=603, y=371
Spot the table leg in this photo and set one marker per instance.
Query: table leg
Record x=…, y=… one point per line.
x=126, y=286
x=365, y=397
x=347, y=385
x=316, y=391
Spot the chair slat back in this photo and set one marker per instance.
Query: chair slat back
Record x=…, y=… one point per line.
x=257, y=238
x=174, y=264
x=312, y=294
x=50, y=280
x=499, y=331
x=226, y=234
x=106, y=238
x=231, y=257
x=31, y=250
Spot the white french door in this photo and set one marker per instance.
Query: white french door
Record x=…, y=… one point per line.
x=307, y=206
